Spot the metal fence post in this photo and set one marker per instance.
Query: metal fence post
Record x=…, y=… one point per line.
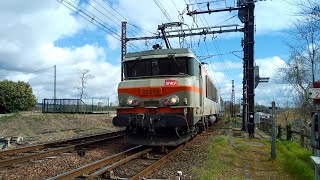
x=273, y=131
x=289, y=133
x=302, y=138
x=279, y=132
x=43, y=105
x=92, y=105
x=271, y=127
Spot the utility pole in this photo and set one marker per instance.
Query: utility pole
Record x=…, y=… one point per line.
x=249, y=46
x=244, y=91
x=55, y=83
x=55, y=87
x=244, y=82
x=232, y=102
x=123, y=45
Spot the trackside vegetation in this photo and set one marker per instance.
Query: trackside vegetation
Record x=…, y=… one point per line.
x=16, y=96
x=241, y=158
x=216, y=164
x=295, y=160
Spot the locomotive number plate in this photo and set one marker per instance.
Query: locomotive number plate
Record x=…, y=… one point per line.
x=150, y=91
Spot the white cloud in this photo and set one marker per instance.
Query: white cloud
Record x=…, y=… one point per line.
x=265, y=93
x=29, y=29
x=68, y=62
x=27, y=45
x=230, y=65
x=268, y=66
x=274, y=16
x=113, y=43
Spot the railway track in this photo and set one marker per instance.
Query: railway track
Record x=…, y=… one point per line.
x=19, y=155
x=108, y=166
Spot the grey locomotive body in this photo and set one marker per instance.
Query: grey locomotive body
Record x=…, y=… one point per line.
x=166, y=97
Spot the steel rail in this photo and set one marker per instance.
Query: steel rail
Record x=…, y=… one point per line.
x=96, y=165
x=53, y=152
x=51, y=144
x=161, y=161
x=108, y=164
x=117, y=164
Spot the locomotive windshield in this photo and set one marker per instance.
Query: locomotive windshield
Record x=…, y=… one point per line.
x=156, y=67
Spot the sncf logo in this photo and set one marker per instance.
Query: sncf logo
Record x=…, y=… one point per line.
x=171, y=83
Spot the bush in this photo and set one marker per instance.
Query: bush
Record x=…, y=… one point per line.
x=16, y=96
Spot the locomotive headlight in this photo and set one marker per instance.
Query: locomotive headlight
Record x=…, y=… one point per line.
x=166, y=101
x=131, y=101
x=136, y=102
x=171, y=100
x=174, y=100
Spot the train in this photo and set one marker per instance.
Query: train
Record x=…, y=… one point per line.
x=166, y=97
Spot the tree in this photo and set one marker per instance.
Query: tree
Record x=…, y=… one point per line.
x=83, y=76
x=303, y=65
x=16, y=96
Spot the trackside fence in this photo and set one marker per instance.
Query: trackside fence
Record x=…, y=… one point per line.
x=87, y=106
x=288, y=133
x=64, y=106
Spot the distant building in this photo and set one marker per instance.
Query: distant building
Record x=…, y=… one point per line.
x=260, y=115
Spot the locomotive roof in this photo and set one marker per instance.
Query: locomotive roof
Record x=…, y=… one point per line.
x=160, y=53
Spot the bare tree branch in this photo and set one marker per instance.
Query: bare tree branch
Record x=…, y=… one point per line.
x=83, y=76
x=302, y=67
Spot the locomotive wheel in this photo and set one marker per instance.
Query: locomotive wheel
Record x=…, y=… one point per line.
x=202, y=125
x=209, y=123
x=218, y=118
x=206, y=122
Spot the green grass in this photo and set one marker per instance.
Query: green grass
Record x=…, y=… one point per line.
x=8, y=117
x=222, y=158
x=295, y=160
x=216, y=163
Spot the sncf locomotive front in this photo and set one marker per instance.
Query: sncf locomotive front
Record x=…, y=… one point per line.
x=161, y=97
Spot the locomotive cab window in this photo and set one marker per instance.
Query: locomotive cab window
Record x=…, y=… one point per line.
x=156, y=67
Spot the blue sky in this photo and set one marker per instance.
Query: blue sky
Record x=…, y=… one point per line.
x=41, y=34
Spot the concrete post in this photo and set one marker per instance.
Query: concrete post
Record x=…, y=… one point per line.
x=273, y=132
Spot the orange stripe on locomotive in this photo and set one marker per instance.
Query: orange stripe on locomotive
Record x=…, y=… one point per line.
x=165, y=91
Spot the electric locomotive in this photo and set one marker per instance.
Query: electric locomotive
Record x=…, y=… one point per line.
x=166, y=97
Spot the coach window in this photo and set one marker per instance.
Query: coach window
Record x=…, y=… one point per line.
x=211, y=91
x=209, y=88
